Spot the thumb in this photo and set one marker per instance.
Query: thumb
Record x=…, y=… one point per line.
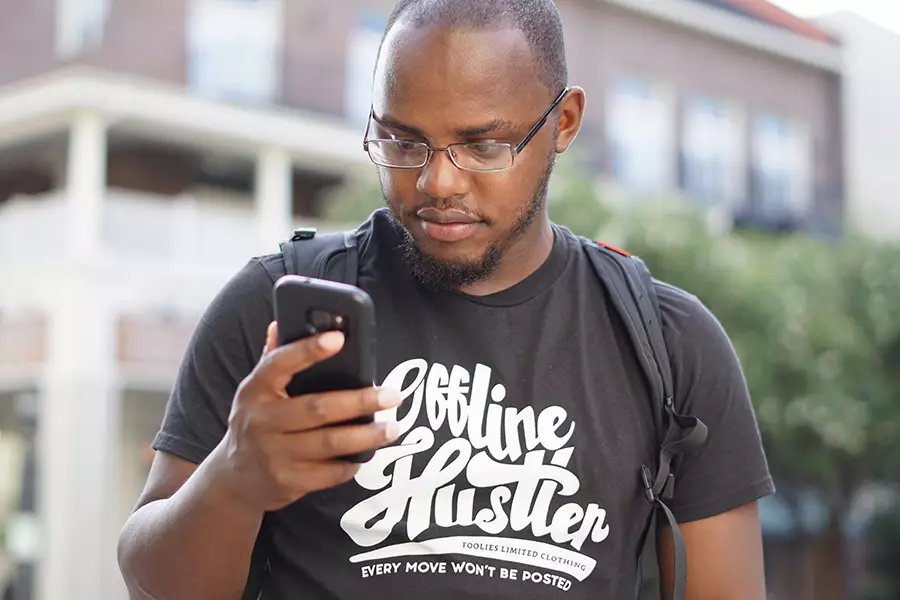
x=271, y=338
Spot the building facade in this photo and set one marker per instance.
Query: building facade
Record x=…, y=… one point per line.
x=147, y=150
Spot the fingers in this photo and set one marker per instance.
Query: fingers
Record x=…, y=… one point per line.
x=333, y=442
x=279, y=365
x=317, y=410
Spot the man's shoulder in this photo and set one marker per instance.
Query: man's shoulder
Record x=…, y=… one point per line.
x=689, y=325
x=271, y=264
x=678, y=307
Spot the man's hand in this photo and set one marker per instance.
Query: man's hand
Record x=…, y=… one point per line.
x=277, y=448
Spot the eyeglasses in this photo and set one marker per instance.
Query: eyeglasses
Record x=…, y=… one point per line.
x=480, y=157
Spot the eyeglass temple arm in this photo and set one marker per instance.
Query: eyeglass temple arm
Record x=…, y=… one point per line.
x=540, y=123
x=368, y=125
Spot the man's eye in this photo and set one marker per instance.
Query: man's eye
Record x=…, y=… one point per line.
x=407, y=146
x=487, y=150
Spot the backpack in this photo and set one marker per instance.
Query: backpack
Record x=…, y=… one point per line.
x=335, y=256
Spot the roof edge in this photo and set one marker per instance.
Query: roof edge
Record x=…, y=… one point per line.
x=738, y=29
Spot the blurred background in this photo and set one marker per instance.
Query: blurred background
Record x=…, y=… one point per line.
x=148, y=149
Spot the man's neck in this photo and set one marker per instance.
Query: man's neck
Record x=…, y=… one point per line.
x=522, y=259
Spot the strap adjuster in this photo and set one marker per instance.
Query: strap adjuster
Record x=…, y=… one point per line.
x=647, y=479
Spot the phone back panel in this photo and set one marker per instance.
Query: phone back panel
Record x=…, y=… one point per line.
x=296, y=300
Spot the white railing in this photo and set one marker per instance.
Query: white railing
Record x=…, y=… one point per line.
x=178, y=230
x=138, y=226
x=32, y=228
x=148, y=230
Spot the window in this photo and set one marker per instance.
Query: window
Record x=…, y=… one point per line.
x=362, y=51
x=640, y=135
x=781, y=167
x=712, y=151
x=80, y=25
x=235, y=49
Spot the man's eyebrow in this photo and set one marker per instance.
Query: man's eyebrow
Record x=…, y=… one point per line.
x=490, y=127
x=388, y=121
x=495, y=125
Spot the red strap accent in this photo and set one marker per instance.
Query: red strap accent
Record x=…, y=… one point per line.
x=614, y=249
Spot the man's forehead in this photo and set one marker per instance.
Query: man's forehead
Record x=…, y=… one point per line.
x=456, y=72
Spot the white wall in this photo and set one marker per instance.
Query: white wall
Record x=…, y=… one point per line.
x=872, y=123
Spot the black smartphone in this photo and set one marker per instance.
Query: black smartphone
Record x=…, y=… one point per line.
x=305, y=307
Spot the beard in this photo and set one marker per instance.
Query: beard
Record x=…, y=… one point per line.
x=448, y=275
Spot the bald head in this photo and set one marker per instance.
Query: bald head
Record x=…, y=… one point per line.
x=537, y=20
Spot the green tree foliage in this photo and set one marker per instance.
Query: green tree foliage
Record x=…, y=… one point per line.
x=817, y=327
x=351, y=203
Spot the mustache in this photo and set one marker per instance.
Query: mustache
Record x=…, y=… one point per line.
x=447, y=204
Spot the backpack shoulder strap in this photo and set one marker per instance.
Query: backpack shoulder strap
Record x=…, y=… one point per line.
x=633, y=293
x=333, y=256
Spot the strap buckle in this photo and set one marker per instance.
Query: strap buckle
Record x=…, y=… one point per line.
x=647, y=479
x=650, y=493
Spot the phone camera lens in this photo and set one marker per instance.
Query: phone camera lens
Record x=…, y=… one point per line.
x=320, y=320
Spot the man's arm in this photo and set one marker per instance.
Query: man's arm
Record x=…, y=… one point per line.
x=187, y=534
x=724, y=557
x=716, y=487
x=193, y=534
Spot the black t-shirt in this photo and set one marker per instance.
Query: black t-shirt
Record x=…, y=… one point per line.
x=525, y=421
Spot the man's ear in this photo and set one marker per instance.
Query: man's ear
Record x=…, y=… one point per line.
x=571, y=113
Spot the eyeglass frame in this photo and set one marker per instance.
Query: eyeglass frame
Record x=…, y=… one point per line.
x=515, y=150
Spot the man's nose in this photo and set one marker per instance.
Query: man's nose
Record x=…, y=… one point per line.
x=440, y=178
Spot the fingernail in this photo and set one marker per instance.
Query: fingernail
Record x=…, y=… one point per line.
x=391, y=431
x=388, y=399
x=332, y=340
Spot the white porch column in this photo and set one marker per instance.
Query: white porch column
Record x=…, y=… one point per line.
x=86, y=182
x=78, y=431
x=274, y=197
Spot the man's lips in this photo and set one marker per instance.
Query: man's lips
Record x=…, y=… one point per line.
x=445, y=217
x=447, y=225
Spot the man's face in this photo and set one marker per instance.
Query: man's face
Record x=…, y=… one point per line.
x=444, y=87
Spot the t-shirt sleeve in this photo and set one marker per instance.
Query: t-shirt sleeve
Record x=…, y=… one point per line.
x=224, y=347
x=731, y=469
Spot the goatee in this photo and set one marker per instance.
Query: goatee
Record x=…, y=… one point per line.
x=447, y=275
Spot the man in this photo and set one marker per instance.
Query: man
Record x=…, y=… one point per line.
x=520, y=412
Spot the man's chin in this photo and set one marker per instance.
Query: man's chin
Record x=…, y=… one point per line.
x=446, y=266
x=451, y=253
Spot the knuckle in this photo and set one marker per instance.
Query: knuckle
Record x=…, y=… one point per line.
x=331, y=442
x=317, y=408
x=267, y=363
x=245, y=392
x=254, y=423
x=239, y=419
